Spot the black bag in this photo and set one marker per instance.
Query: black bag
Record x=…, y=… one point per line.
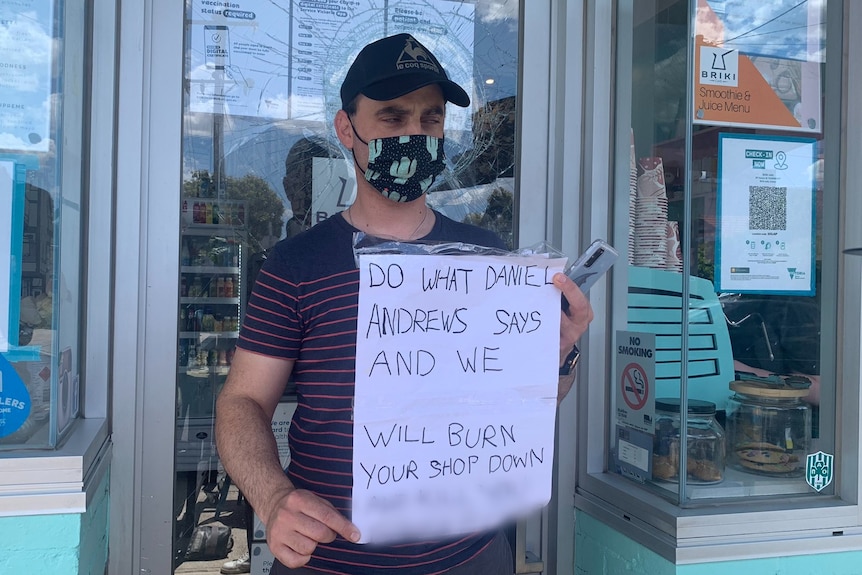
x=209, y=542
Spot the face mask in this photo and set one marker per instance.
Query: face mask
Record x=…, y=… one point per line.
x=402, y=168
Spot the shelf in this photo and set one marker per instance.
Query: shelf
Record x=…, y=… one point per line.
x=210, y=300
x=741, y=484
x=209, y=334
x=205, y=371
x=197, y=229
x=210, y=270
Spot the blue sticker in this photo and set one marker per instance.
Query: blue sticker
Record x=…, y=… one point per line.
x=14, y=399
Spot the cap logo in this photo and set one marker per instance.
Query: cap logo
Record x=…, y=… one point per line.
x=416, y=57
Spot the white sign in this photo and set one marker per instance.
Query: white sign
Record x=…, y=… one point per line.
x=635, y=389
x=456, y=391
x=765, y=215
x=326, y=36
x=26, y=50
x=7, y=179
x=332, y=187
x=239, y=62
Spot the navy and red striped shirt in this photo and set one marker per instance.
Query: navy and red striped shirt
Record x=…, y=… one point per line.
x=303, y=307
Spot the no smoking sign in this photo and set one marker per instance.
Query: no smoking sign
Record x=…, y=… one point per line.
x=635, y=376
x=635, y=386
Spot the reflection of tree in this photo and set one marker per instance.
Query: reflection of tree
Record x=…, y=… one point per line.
x=264, y=210
x=498, y=215
x=492, y=157
x=493, y=152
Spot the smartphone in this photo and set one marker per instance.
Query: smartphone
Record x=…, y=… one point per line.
x=589, y=267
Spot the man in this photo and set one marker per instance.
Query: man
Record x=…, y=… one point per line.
x=301, y=323
x=297, y=182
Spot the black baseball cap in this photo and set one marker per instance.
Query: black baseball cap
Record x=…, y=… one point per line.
x=396, y=65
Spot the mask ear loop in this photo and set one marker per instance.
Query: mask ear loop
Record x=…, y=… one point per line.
x=352, y=151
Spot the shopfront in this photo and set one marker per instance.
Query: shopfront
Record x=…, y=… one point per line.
x=710, y=141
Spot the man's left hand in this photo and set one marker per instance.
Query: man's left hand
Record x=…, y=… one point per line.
x=574, y=321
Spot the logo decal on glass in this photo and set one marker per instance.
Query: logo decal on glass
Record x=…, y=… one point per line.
x=818, y=470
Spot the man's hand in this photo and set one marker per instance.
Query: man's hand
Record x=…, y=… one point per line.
x=298, y=521
x=574, y=321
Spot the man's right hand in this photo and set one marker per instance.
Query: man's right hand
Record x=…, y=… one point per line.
x=300, y=520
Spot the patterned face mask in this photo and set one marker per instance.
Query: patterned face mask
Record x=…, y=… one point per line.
x=402, y=168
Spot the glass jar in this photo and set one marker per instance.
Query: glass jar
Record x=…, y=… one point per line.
x=768, y=427
x=705, y=442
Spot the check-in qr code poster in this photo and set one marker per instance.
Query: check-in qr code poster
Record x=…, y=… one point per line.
x=765, y=238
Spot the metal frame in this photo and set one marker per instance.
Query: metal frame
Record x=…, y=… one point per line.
x=146, y=245
x=738, y=530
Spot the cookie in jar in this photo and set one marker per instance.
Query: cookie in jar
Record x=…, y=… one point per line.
x=769, y=426
x=705, y=442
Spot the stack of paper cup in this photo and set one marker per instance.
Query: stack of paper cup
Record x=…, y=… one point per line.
x=673, y=253
x=633, y=198
x=651, y=216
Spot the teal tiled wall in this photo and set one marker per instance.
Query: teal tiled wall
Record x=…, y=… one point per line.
x=600, y=550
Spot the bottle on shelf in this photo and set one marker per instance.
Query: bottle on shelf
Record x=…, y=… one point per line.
x=192, y=355
x=228, y=287
x=220, y=291
x=182, y=353
x=196, y=290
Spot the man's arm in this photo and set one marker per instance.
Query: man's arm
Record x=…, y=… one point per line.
x=296, y=520
x=573, y=323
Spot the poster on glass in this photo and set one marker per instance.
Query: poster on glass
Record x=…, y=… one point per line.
x=25, y=75
x=759, y=68
x=765, y=215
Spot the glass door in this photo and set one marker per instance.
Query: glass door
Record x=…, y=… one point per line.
x=261, y=163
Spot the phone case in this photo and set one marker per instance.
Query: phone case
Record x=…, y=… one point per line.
x=592, y=264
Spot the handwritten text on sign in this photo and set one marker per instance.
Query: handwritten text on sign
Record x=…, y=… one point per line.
x=456, y=388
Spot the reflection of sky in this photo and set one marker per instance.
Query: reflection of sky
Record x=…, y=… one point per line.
x=780, y=28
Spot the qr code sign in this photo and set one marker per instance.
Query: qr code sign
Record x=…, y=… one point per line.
x=767, y=208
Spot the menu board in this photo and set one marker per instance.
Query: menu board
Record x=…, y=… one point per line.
x=26, y=48
x=287, y=61
x=326, y=36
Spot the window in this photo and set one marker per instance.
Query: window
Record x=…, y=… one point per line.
x=42, y=202
x=725, y=243
x=721, y=398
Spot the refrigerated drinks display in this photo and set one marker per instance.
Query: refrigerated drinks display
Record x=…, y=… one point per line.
x=213, y=274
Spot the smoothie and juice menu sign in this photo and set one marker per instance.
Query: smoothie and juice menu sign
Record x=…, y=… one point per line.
x=287, y=60
x=759, y=68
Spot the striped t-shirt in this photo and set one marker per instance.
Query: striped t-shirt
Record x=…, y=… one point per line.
x=303, y=307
